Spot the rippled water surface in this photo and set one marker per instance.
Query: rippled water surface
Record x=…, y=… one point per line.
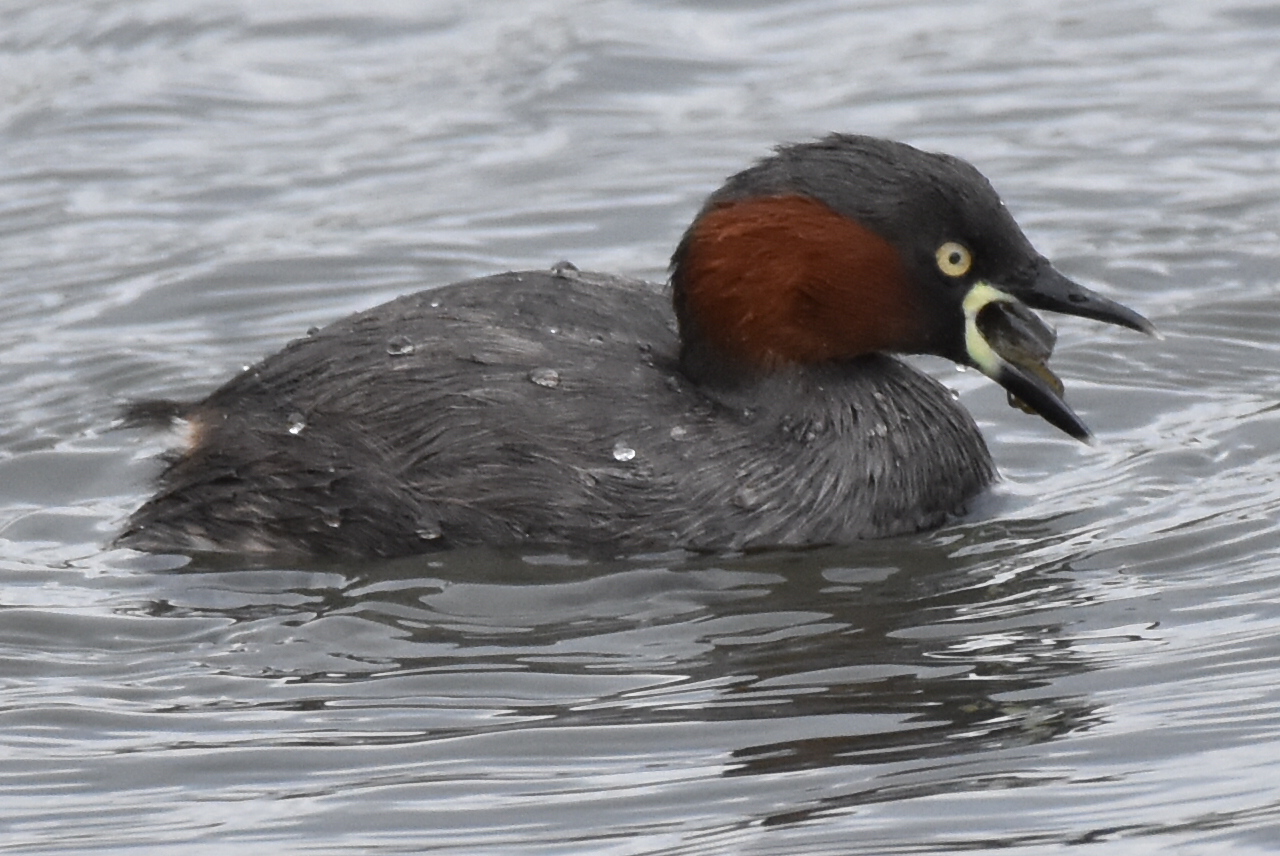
x=1089, y=659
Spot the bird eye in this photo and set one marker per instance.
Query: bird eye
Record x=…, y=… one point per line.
x=954, y=259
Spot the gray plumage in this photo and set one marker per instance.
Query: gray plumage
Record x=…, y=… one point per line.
x=546, y=408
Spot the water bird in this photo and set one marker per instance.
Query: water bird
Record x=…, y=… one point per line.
x=757, y=402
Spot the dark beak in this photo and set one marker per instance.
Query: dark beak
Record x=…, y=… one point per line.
x=1053, y=292
x=1011, y=345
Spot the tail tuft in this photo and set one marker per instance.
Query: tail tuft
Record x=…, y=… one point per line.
x=153, y=413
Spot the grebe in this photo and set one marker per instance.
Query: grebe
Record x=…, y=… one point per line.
x=563, y=408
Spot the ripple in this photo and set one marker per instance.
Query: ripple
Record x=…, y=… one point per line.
x=1084, y=658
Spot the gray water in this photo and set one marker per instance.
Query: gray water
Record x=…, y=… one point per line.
x=1088, y=661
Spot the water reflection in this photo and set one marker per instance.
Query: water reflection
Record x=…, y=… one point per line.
x=814, y=660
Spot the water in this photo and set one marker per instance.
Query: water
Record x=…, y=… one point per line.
x=1089, y=658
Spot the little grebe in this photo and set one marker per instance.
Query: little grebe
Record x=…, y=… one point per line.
x=566, y=408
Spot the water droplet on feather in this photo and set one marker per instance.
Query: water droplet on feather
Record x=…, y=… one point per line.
x=550, y=378
x=399, y=346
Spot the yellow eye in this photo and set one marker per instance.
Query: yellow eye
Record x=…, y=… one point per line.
x=954, y=259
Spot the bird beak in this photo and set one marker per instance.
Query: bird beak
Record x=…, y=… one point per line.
x=1008, y=343
x=1053, y=292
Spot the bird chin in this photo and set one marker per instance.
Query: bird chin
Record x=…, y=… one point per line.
x=1010, y=344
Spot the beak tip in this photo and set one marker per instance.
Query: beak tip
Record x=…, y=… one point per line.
x=1137, y=322
x=1053, y=292
x=1123, y=316
x=1073, y=426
